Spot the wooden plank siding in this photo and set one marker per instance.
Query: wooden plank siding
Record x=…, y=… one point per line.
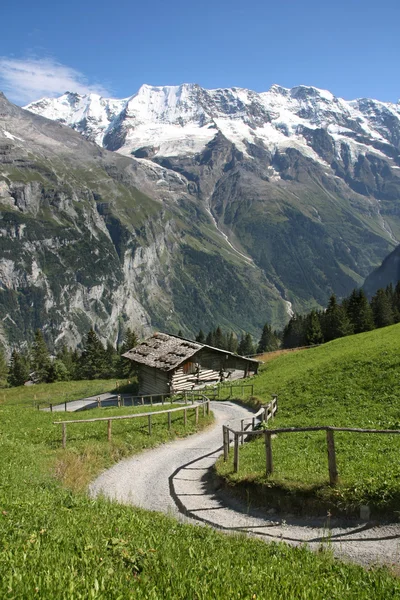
x=153, y=381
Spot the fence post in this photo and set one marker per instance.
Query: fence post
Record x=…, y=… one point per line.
x=268, y=452
x=225, y=442
x=142, y=401
x=64, y=435
x=162, y=399
x=196, y=410
x=169, y=421
x=253, y=423
x=51, y=408
x=208, y=407
x=275, y=400
x=204, y=409
x=65, y=406
x=185, y=417
x=109, y=430
x=149, y=418
x=242, y=429
x=333, y=474
x=119, y=401
x=236, y=454
x=98, y=401
x=151, y=400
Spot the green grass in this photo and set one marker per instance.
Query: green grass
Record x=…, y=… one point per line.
x=62, y=391
x=56, y=542
x=351, y=382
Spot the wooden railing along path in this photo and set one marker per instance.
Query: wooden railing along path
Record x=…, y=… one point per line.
x=205, y=403
x=269, y=433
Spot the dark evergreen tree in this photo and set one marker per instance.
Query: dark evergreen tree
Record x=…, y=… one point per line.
x=18, y=371
x=68, y=358
x=335, y=321
x=112, y=358
x=268, y=340
x=232, y=343
x=382, y=310
x=125, y=367
x=246, y=347
x=200, y=337
x=220, y=339
x=58, y=372
x=396, y=303
x=40, y=358
x=359, y=312
x=93, y=358
x=313, y=329
x=3, y=368
x=210, y=339
x=180, y=334
x=294, y=334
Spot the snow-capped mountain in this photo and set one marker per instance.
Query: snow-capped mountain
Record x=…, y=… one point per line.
x=182, y=120
x=228, y=206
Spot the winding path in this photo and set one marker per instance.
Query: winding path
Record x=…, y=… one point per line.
x=175, y=479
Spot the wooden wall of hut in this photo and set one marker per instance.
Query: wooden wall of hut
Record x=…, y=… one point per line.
x=152, y=381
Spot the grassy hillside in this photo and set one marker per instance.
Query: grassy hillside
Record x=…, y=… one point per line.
x=58, y=543
x=350, y=382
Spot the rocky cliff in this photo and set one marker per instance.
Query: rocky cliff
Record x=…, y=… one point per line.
x=91, y=238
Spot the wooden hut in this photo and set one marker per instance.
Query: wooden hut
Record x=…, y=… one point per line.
x=169, y=364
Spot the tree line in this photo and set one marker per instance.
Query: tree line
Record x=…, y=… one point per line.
x=355, y=314
x=244, y=346
x=92, y=361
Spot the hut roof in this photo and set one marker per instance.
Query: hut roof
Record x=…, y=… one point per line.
x=167, y=352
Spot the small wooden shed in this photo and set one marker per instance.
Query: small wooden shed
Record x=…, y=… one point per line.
x=169, y=364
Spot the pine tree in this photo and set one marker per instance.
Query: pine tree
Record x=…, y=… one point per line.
x=125, y=367
x=68, y=358
x=396, y=303
x=335, y=322
x=200, y=337
x=268, y=341
x=220, y=339
x=381, y=305
x=18, y=371
x=112, y=358
x=294, y=334
x=359, y=312
x=210, y=339
x=40, y=358
x=3, y=368
x=93, y=357
x=313, y=332
x=232, y=343
x=246, y=347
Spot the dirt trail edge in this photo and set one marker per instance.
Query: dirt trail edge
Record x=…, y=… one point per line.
x=174, y=479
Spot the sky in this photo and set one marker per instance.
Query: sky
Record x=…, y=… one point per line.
x=351, y=48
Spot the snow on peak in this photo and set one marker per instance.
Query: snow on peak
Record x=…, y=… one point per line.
x=182, y=119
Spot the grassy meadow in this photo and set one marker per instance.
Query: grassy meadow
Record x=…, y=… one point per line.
x=56, y=542
x=350, y=382
x=62, y=391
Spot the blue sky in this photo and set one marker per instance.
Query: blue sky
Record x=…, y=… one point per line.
x=350, y=47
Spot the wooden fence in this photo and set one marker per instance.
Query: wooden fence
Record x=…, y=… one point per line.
x=269, y=433
x=204, y=403
x=265, y=413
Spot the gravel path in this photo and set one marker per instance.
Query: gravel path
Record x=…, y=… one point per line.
x=175, y=479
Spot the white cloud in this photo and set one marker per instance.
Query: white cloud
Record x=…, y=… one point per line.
x=25, y=80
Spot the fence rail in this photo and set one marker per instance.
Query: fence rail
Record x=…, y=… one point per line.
x=205, y=403
x=268, y=433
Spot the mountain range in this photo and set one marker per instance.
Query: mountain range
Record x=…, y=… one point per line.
x=181, y=207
